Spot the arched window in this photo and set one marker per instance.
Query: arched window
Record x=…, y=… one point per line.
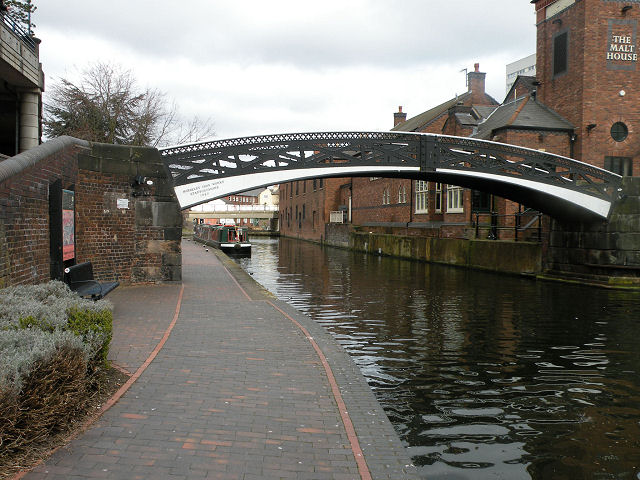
x=402, y=194
x=386, y=197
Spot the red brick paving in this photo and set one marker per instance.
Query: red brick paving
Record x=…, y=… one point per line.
x=236, y=392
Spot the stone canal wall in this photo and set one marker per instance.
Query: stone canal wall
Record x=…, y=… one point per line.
x=607, y=252
x=508, y=257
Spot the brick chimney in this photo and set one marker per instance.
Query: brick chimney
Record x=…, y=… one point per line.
x=399, y=117
x=476, y=81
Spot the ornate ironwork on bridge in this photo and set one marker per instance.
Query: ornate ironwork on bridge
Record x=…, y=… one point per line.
x=563, y=187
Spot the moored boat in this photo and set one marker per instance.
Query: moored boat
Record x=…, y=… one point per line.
x=231, y=239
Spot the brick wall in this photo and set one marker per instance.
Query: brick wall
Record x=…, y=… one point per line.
x=304, y=210
x=588, y=94
x=131, y=233
x=24, y=209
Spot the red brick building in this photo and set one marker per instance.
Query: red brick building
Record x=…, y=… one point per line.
x=425, y=208
x=587, y=67
x=581, y=104
x=306, y=206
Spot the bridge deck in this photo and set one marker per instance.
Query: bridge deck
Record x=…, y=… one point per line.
x=561, y=187
x=236, y=392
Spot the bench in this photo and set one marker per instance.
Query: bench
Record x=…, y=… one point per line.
x=80, y=279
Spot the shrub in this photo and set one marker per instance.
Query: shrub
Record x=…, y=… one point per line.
x=53, y=306
x=42, y=384
x=95, y=327
x=52, y=343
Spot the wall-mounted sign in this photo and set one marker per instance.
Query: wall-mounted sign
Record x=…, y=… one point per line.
x=622, y=52
x=122, y=203
x=68, y=225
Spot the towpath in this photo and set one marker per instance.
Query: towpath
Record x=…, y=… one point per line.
x=230, y=383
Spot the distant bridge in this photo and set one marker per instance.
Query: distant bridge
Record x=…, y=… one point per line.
x=561, y=187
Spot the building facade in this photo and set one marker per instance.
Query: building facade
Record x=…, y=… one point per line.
x=588, y=72
x=582, y=103
x=20, y=89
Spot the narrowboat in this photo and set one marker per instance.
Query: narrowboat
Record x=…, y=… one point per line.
x=231, y=239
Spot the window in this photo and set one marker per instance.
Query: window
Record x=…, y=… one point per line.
x=297, y=187
x=321, y=182
x=620, y=165
x=560, y=53
x=402, y=194
x=386, y=197
x=422, y=197
x=619, y=131
x=437, y=199
x=480, y=201
x=315, y=184
x=454, y=199
x=304, y=186
x=304, y=212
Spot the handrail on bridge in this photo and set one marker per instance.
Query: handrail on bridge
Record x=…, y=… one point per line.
x=493, y=225
x=26, y=36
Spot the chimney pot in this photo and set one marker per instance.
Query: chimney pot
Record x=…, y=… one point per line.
x=399, y=116
x=476, y=67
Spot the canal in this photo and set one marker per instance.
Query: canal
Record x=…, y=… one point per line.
x=483, y=375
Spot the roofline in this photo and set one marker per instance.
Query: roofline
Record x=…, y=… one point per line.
x=540, y=129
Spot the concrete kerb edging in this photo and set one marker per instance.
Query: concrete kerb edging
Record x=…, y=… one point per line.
x=116, y=396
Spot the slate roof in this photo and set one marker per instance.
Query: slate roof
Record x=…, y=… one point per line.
x=425, y=118
x=523, y=113
x=527, y=81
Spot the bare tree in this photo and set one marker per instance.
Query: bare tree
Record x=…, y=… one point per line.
x=108, y=106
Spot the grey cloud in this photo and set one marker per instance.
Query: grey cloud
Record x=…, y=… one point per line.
x=310, y=35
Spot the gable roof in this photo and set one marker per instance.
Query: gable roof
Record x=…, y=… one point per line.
x=526, y=81
x=524, y=113
x=429, y=116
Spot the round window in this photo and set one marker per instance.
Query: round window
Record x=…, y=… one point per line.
x=619, y=131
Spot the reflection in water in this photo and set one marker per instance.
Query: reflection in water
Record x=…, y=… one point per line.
x=483, y=375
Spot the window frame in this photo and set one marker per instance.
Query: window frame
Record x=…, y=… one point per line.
x=421, y=196
x=455, y=199
x=555, y=57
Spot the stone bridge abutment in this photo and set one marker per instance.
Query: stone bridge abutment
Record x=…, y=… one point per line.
x=126, y=219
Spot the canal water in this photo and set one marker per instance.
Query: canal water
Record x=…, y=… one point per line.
x=484, y=376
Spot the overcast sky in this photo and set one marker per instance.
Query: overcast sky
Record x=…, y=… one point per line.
x=271, y=66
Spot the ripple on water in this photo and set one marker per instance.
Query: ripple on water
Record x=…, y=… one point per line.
x=483, y=376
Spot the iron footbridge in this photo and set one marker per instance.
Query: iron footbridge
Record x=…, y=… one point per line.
x=564, y=188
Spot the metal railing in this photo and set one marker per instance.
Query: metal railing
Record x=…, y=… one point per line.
x=518, y=223
x=25, y=35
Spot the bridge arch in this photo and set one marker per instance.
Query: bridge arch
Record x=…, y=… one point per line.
x=558, y=186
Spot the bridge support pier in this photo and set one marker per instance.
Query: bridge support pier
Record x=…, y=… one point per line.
x=604, y=253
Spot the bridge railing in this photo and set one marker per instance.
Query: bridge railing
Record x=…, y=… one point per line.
x=516, y=226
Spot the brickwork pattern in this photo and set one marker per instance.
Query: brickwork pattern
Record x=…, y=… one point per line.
x=128, y=232
x=24, y=218
x=304, y=211
x=589, y=93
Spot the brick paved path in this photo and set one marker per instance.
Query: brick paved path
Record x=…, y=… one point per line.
x=236, y=392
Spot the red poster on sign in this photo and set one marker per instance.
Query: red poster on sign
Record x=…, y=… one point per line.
x=68, y=227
